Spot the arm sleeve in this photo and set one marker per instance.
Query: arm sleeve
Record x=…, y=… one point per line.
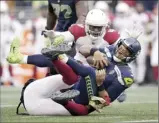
x=80, y=69
x=39, y=60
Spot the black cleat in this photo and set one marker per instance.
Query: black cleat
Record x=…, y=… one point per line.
x=65, y=96
x=53, y=51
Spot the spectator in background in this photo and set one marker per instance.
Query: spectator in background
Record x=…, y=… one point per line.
x=154, y=37
x=104, y=6
x=131, y=3
x=122, y=18
x=23, y=3
x=8, y=29
x=39, y=25
x=140, y=17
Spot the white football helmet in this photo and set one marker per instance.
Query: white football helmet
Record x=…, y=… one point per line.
x=96, y=23
x=122, y=9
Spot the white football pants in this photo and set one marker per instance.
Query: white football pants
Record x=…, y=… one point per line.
x=37, y=96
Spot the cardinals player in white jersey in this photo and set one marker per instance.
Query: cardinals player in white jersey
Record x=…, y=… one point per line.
x=95, y=32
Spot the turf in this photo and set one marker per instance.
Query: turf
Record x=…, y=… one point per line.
x=141, y=106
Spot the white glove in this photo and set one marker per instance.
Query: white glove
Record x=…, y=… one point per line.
x=48, y=33
x=135, y=32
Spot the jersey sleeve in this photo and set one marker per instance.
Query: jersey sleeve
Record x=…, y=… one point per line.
x=128, y=79
x=123, y=81
x=111, y=36
x=115, y=89
x=124, y=75
x=77, y=30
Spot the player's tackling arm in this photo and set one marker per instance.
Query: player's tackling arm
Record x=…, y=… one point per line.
x=73, y=33
x=66, y=36
x=99, y=57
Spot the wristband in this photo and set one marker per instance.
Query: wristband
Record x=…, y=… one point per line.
x=101, y=87
x=93, y=50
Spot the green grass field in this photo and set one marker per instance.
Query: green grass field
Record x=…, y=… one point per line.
x=141, y=106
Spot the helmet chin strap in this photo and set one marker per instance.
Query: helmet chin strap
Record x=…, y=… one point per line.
x=116, y=59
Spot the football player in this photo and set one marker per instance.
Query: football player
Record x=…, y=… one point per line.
x=65, y=13
x=96, y=35
x=95, y=29
x=118, y=77
x=117, y=70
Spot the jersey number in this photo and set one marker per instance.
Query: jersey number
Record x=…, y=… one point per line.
x=62, y=8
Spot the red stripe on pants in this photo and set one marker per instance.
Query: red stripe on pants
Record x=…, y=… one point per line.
x=69, y=76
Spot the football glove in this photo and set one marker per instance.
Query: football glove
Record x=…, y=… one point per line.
x=97, y=103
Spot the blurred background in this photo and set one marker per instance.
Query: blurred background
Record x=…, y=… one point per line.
x=26, y=19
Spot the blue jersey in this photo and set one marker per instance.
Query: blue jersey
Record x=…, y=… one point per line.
x=66, y=13
x=119, y=77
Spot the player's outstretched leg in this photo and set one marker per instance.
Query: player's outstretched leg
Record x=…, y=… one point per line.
x=14, y=55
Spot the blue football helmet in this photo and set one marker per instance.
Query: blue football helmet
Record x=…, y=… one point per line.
x=134, y=47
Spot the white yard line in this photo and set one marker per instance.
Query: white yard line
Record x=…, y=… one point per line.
x=141, y=121
x=109, y=117
x=147, y=102
x=4, y=106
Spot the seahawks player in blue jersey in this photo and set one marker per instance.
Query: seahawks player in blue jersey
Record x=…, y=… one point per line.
x=118, y=74
x=66, y=13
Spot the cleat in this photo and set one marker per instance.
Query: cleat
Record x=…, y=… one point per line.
x=54, y=51
x=64, y=96
x=122, y=97
x=14, y=55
